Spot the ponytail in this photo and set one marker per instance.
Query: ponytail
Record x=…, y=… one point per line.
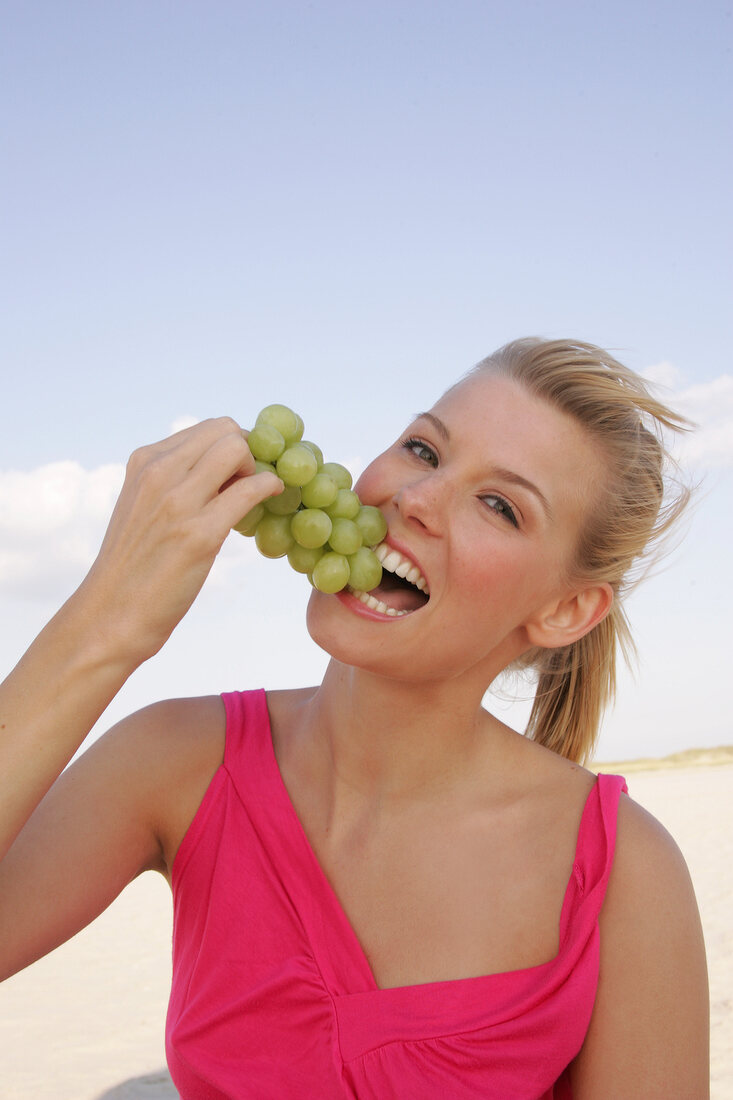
x=576, y=684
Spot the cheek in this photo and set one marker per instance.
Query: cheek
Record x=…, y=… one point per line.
x=371, y=485
x=506, y=583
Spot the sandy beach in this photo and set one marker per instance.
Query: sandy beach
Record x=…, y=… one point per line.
x=87, y=1022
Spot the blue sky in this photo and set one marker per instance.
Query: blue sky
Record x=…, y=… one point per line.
x=209, y=207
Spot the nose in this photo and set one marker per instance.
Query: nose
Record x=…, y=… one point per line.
x=423, y=502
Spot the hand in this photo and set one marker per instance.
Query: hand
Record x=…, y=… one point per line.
x=179, y=501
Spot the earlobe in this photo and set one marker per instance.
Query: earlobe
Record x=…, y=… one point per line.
x=570, y=618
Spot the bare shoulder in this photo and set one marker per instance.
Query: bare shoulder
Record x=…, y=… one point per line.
x=147, y=774
x=647, y=858
x=650, y=894
x=175, y=748
x=122, y=808
x=177, y=729
x=648, y=1035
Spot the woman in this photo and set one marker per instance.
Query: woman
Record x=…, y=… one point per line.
x=380, y=889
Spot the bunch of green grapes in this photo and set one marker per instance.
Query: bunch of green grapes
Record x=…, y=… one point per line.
x=318, y=521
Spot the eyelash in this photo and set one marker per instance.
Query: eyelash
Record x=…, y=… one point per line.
x=505, y=508
x=415, y=445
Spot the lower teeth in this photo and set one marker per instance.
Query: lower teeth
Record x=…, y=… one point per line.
x=377, y=605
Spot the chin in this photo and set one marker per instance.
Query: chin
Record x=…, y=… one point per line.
x=342, y=635
x=328, y=625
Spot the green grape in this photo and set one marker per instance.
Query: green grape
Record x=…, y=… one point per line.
x=248, y=523
x=316, y=451
x=317, y=520
x=331, y=573
x=372, y=524
x=311, y=527
x=264, y=468
x=284, y=420
x=345, y=537
x=339, y=473
x=303, y=559
x=273, y=535
x=296, y=465
x=285, y=503
x=366, y=570
x=345, y=506
x=320, y=491
x=266, y=443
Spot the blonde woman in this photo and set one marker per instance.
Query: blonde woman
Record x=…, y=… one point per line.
x=379, y=889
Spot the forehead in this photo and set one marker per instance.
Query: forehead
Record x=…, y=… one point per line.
x=505, y=424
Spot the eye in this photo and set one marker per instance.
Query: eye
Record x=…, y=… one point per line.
x=501, y=507
x=420, y=450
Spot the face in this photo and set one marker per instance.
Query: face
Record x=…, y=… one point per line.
x=484, y=497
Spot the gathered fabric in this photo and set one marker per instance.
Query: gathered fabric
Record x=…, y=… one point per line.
x=273, y=997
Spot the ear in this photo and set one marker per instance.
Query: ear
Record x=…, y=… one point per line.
x=571, y=617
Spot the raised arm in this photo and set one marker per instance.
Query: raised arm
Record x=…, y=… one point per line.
x=179, y=500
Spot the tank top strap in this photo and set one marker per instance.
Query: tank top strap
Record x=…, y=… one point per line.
x=594, y=852
x=248, y=745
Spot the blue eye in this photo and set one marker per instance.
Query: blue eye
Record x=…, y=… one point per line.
x=420, y=450
x=501, y=507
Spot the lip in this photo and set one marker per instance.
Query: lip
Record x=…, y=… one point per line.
x=349, y=600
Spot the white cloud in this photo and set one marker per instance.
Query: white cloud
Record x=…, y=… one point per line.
x=52, y=520
x=709, y=405
x=182, y=422
x=663, y=374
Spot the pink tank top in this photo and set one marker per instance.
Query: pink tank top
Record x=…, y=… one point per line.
x=273, y=997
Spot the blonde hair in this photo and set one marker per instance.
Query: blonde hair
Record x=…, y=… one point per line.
x=640, y=501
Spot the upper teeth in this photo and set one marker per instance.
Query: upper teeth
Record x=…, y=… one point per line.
x=397, y=563
x=393, y=562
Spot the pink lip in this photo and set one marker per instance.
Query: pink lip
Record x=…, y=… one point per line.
x=359, y=608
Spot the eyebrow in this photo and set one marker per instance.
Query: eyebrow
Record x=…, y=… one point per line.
x=436, y=422
x=506, y=475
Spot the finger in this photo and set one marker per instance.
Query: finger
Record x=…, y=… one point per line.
x=187, y=445
x=197, y=467
x=240, y=497
x=226, y=460
x=211, y=427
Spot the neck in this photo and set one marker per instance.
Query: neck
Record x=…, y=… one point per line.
x=386, y=738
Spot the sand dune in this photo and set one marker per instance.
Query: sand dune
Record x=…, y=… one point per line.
x=688, y=758
x=86, y=1023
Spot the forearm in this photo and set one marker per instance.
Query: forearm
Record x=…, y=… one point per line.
x=50, y=702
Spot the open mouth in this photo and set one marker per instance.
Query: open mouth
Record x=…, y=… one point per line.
x=402, y=590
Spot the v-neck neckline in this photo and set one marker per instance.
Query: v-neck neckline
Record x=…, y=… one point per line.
x=359, y=967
